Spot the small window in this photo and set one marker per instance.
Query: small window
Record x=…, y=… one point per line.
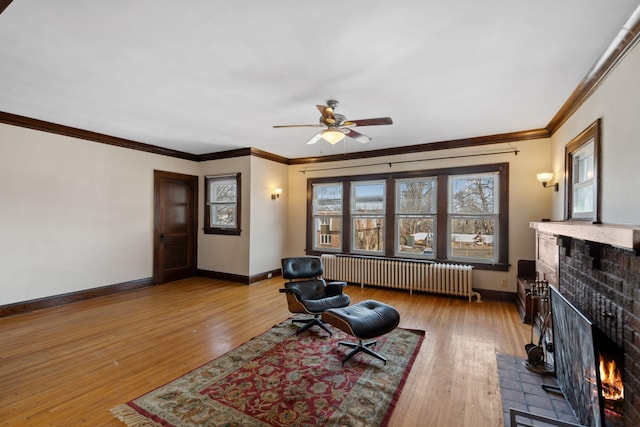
x=582, y=175
x=222, y=204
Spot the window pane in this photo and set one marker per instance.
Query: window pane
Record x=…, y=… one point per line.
x=473, y=194
x=222, y=191
x=327, y=199
x=416, y=235
x=416, y=196
x=583, y=198
x=368, y=197
x=223, y=215
x=583, y=164
x=328, y=233
x=368, y=234
x=472, y=237
x=583, y=173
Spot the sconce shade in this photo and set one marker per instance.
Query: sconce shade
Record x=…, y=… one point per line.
x=544, y=177
x=276, y=193
x=332, y=136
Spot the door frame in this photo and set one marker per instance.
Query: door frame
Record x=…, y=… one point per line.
x=193, y=180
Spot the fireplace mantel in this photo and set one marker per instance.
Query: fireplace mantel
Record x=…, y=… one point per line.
x=621, y=236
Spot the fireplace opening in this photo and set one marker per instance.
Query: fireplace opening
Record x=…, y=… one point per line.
x=610, y=372
x=589, y=366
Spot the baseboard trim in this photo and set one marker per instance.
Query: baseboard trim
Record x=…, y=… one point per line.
x=500, y=296
x=247, y=280
x=62, y=299
x=56, y=300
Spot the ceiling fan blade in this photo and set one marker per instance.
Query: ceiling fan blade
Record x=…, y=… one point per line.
x=318, y=125
x=369, y=122
x=317, y=137
x=327, y=115
x=363, y=139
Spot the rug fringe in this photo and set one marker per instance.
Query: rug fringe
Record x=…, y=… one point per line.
x=131, y=418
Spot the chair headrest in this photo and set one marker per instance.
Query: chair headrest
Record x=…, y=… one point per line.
x=303, y=267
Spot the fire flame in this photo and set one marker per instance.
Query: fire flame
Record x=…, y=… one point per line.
x=611, y=380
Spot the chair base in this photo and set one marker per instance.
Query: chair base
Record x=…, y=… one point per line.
x=311, y=322
x=364, y=347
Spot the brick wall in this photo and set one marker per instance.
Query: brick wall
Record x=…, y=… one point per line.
x=603, y=282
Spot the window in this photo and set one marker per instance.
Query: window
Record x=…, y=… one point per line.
x=582, y=175
x=367, y=216
x=327, y=216
x=473, y=217
x=416, y=204
x=222, y=204
x=454, y=214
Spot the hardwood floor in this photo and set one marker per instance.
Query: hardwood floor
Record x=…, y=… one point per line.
x=69, y=365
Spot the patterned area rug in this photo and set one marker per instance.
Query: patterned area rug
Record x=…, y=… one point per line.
x=281, y=379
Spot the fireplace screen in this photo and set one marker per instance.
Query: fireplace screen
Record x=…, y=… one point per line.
x=576, y=361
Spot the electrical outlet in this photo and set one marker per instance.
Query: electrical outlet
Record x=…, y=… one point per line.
x=269, y=275
x=504, y=283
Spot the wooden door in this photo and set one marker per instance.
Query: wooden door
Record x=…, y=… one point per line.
x=175, y=226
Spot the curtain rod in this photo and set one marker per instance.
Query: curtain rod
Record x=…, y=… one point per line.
x=513, y=150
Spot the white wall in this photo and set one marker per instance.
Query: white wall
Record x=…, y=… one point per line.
x=259, y=246
x=617, y=102
x=528, y=200
x=223, y=253
x=74, y=214
x=268, y=217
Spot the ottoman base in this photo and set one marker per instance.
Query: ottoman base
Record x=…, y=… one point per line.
x=364, y=347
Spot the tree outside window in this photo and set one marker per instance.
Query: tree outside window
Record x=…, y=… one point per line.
x=416, y=203
x=473, y=216
x=367, y=215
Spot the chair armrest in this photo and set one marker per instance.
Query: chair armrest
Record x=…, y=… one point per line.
x=293, y=291
x=335, y=288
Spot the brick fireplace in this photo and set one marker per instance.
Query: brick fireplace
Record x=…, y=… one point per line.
x=598, y=271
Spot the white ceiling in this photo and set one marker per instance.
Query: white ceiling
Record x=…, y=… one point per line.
x=203, y=76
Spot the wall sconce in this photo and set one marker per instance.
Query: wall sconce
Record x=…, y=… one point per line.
x=276, y=193
x=544, y=178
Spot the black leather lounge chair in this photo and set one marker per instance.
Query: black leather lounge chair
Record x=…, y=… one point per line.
x=308, y=293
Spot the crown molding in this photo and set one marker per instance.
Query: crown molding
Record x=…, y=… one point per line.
x=4, y=4
x=250, y=151
x=44, y=126
x=627, y=37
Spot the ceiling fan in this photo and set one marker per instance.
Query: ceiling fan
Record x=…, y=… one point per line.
x=338, y=126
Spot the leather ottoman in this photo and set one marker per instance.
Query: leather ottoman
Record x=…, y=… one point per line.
x=364, y=320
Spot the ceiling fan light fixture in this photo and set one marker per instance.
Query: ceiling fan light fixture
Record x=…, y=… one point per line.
x=332, y=136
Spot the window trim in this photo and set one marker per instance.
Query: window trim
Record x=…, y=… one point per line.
x=442, y=175
x=231, y=231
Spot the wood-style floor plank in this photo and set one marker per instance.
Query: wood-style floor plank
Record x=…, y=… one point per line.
x=69, y=365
